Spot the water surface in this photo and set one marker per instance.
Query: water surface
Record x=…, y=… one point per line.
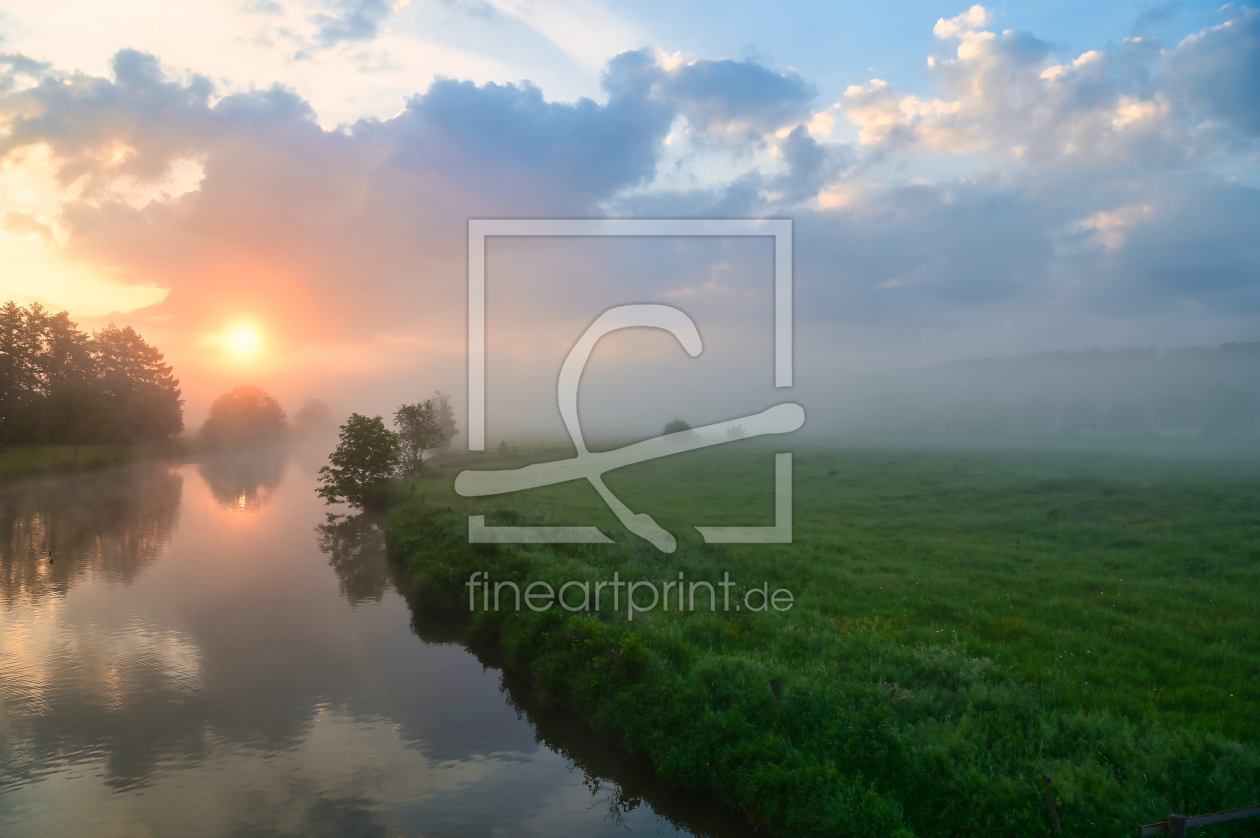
x=205, y=652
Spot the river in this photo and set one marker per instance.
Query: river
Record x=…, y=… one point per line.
x=204, y=652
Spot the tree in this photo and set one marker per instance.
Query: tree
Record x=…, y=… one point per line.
x=77, y=414
x=65, y=355
x=40, y=352
x=313, y=417
x=674, y=426
x=143, y=390
x=444, y=414
x=242, y=416
x=20, y=344
x=367, y=455
x=418, y=431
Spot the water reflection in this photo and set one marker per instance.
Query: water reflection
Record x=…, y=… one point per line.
x=355, y=545
x=57, y=531
x=245, y=478
x=229, y=689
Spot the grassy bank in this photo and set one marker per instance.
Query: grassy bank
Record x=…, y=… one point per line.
x=963, y=622
x=28, y=460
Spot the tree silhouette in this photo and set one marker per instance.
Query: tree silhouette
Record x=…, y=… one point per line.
x=144, y=391
x=77, y=414
x=42, y=353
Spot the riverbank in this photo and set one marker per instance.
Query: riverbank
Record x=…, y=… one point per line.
x=31, y=460
x=961, y=623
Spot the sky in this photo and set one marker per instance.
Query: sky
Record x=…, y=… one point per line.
x=277, y=193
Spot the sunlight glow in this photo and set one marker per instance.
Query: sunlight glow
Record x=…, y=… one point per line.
x=242, y=340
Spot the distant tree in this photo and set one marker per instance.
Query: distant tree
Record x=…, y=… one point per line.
x=1080, y=415
x=444, y=414
x=243, y=416
x=77, y=414
x=312, y=417
x=1126, y=417
x=675, y=425
x=1036, y=415
x=367, y=455
x=1228, y=411
x=418, y=431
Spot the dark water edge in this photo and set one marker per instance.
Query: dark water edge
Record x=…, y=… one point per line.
x=626, y=781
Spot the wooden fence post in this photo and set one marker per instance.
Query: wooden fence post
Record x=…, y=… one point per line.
x=1176, y=826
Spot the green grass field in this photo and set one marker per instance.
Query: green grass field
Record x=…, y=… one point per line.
x=27, y=460
x=964, y=621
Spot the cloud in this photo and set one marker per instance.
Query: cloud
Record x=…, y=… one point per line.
x=99, y=129
x=1111, y=224
x=743, y=99
x=26, y=223
x=326, y=237
x=356, y=20
x=507, y=139
x=1031, y=199
x=1216, y=73
x=1138, y=104
x=15, y=65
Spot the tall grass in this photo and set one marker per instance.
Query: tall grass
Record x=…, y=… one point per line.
x=27, y=460
x=964, y=622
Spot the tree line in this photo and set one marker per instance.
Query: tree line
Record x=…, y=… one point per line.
x=60, y=384
x=368, y=453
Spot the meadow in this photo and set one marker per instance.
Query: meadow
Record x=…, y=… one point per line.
x=28, y=460
x=966, y=620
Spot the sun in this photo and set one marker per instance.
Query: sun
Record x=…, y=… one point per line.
x=243, y=340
